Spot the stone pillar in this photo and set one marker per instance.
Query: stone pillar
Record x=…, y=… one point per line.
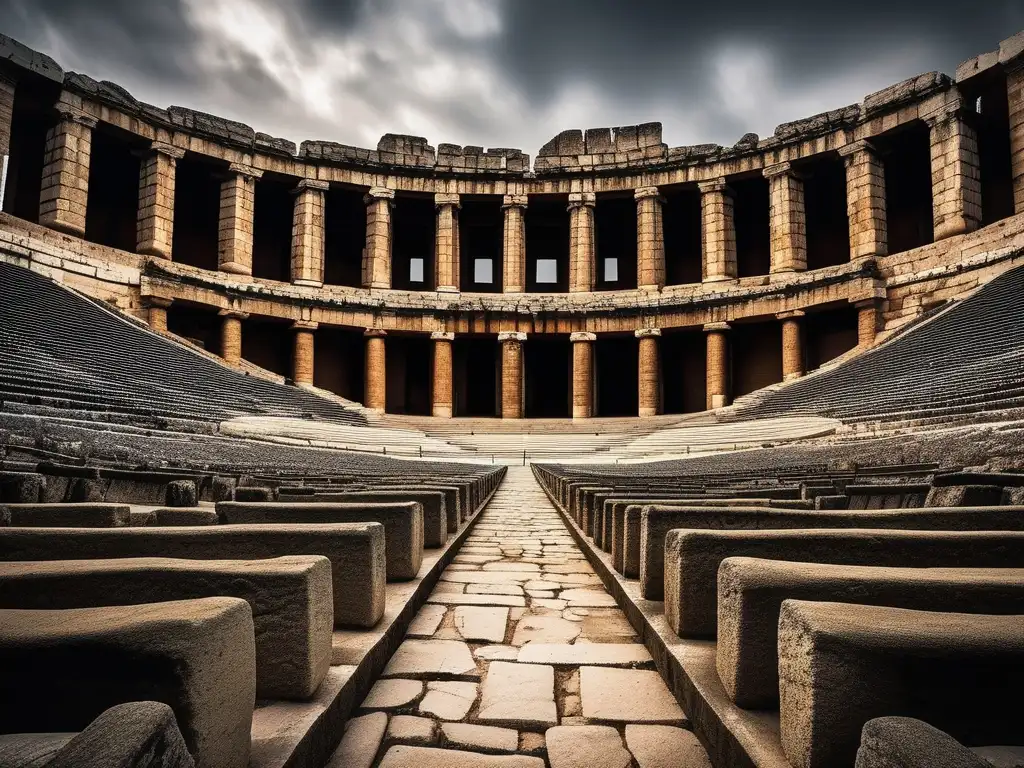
x=231, y=335
x=792, y=344
x=157, y=312
x=237, y=206
x=376, y=370
x=865, y=200
x=956, y=180
x=303, y=359
x=650, y=240
x=649, y=371
x=717, y=365
x=377, y=254
x=155, y=223
x=1015, y=97
x=65, y=188
x=8, y=84
x=446, y=244
x=867, y=322
x=513, y=257
x=582, y=374
x=511, y=374
x=719, y=231
x=581, y=241
x=308, y=233
x=442, y=406
x=788, y=220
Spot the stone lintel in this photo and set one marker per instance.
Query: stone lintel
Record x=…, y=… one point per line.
x=777, y=169
x=379, y=193
x=641, y=333
x=305, y=184
x=442, y=336
x=237, y=314
x=862, y=303
x=793, y=314
x=580, y=199
x=511, y=336
x=582, y=336
x=373, y=333
x=515, y=201
x=642, y=193
x=717, y=327
x=305, y=325
x=241, y=169
x=163, y=148
x=714, y=185
x=156, y=301
x=446, y=198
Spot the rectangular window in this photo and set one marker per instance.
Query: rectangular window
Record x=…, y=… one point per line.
x=483, y=271
x=547, y=270
x=611, y=270
x=415, y=270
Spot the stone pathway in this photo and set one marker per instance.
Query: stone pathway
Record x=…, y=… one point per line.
x=520, y=658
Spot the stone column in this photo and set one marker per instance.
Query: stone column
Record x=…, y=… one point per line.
x=442, y=406
x=649, y=371
x=956, y=180
x=155, y=223
x=867, y=322
x=718, y=231
x=792, y=344
x=231, y=335
x=65, y=188
x=303, y=359
x=1015, y=97
x=513, y=258
x=237, y=206
x=582, y=374
x=581, y=241
x=377, y=254
x=8, y=84
x=511, y=374
x=157, y=312
x=650, y=240
x=308, y=233
x=865, y=200
x=717, y=365
x=787, y=219
x=376, y=371
x=446, y=244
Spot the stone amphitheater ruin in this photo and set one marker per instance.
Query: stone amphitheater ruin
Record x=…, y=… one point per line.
x=634, y=455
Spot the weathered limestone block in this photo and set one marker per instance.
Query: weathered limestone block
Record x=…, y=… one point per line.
x=649, y=383
x=514, y=244
x=581, y=241
x=81, y=515
x=356, y=552
x=155, y=222
x=307, y=255
x=442, y=389
x=865, y=200
x=719, y=231
x=717, y=365
x=402, y=521
x=218, y=128
x=650, y=234
x=64, y=195
x=376, y=370
x=182, y=493
x=303, y=348
x=198, y=656
x=964, y=496
x=21, y=487
x=905, y=91
x=291, y=599
x=400, y=149
x=788, y=220
x=902, y=742
x=511, y=373
x=582, y=374
x=251, y=494
x=377, y=254
x=446, y=243
x=184, y=516
x=237, y=206
x=956, y=178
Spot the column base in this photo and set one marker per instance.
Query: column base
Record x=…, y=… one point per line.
x=718, y=401
x=68, y=228
x=441, y=411
x=581, y=414
x=308, y=283
x=235, y=268
x=783, y=274
x=380, y=285
x=448, y=289
x=646, y=413
x=154, y=250
x=954, y=227
x=792, y=376
x=719, y=279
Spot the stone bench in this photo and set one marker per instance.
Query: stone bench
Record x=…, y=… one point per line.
x=841, y=665
x=64, y=668
x=435, y=516
x=169, y=516
x=751, y=591
x=356, y=552
x=290, y=597
x=903, y=742
x=125, y=735
x=402, y=521
x=692, y=559
x=21, y=487
x=83, y=515
x=655, y=522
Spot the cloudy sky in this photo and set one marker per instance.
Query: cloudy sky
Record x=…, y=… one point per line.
x=507, y=73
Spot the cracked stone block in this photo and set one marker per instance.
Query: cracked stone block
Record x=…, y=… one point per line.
x=545, y=629
x=425, y=757
x=388, y=694
x=448, y=700
x=431, y=657
x=480, y=623
x=426, y=622
x=519, y=694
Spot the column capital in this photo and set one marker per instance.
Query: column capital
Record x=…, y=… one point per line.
x=375, y=333
x=642, y=193
x=582, y=336
x=446, y=198
x=235, y=314
x=714, y=185
x=793, y=314
x=163, y=148
x=305, y=325
x=865, y=303
x=856, y=147
x=777, y=169
x=944, y=114
x=379, y=193
x=72, y=114
x=515, y=201
x=511, y=336
x=304, y=184
x=582, y=199
x=711, y=327
x=241, y=169
x=643, y=333
x=442, y=336
x=157, y=301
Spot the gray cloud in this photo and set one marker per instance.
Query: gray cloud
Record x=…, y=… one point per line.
x=505, y=72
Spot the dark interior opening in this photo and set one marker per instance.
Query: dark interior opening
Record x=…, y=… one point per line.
x=547, y=244
x=409, y=365
x=683, y=370
x=476, y=361
x=340, y=362
x=908, y=186
x=196, y=213
x=30, y=123
x=344, y=237
x=827, y=222
x=615, y=242
x=267, y=342
x=756, y=356
x=112, y=208
x=616, y=361
x=829, y=334
x=481, y=233
x=272, y=228
x=548, y=360
x=681, y=220
x=751, y=211
x=991, y=121
x=412, y=243
x=198, y=324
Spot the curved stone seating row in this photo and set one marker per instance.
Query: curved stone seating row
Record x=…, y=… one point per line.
x=903, y=742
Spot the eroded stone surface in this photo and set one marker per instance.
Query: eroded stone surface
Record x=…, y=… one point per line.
x=431, y=657
x=519, y=693
x=409, y=729
x=627, y=695
x=662, y=746
x=487, y=737
x=586, y=746
x=388, y=694
x=424, y=757
x=448, y=700
x=480, y=623
x=362, y=739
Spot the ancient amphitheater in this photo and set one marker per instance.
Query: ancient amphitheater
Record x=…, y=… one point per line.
x=629, y=456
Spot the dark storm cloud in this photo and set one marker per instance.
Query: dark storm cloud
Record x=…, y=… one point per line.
x=506, y=72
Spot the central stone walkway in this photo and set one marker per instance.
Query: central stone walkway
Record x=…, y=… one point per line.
x=519, y=658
